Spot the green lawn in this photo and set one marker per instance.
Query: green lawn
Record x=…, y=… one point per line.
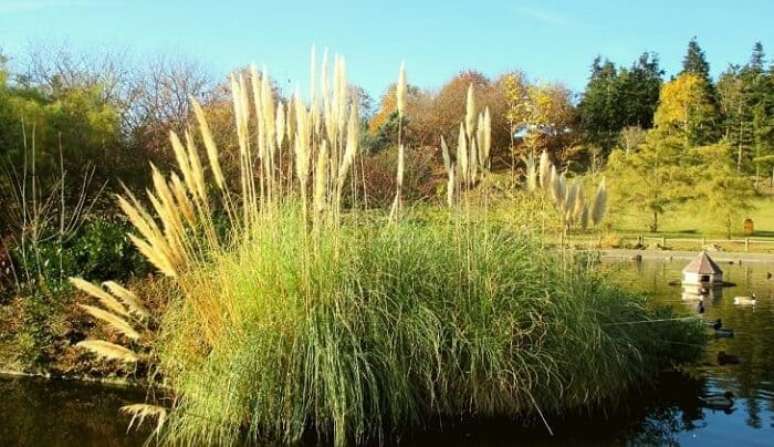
x=689, y=221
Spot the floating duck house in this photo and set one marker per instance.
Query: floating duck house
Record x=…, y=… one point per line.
x=703, y=271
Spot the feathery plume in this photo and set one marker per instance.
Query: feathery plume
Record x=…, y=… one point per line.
x=127, y=297
x=103, y=297
x=321, y=170
x=531, y=172
x=470, y=111
x=487, y=143
x=462, y=154
x=545, y=170
x=209, y=144
x=110, y=351
x=400, y=90
x=580, y=202
x=445, y=154
x=113, y=321
x=140, y=412
x=351, y=145
x=569, y=200
x=599, y=207
x=584, y=217
x=280, y=123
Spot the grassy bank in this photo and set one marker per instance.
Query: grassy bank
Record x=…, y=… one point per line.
x=688, y=221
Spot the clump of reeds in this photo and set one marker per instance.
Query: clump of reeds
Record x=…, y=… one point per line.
x=298, y=319
x=471, y=161
x=569, y=199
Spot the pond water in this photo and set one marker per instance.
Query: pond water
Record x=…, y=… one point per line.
x=37, y=412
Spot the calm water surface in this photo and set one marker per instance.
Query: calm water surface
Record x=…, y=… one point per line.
x=57, y=413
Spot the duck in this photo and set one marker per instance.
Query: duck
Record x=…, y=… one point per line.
x=746, y=300
x=718, y=402
x=717, y=326
x=728, y=359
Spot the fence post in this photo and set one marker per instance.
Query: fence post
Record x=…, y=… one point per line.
x=747, y=244
x=663, y=241
x=703, y=243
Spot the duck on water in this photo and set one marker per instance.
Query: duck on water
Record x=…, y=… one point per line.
x=746, y=300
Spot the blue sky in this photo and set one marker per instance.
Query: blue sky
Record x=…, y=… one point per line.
x=551, y=40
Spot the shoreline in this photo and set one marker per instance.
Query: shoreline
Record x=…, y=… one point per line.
x=125, y=383
x=720, y=256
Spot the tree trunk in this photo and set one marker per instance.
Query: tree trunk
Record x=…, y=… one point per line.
x=741, y=134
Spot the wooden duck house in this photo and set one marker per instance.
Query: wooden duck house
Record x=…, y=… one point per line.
x=703, y=271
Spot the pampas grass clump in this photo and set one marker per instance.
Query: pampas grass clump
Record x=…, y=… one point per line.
x=302, y=317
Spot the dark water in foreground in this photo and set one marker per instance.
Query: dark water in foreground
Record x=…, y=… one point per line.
x=59, y=413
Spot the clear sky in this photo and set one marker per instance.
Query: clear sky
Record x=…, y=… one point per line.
x=551, y=40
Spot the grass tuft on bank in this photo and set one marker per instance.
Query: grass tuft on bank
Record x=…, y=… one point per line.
x=386, y=328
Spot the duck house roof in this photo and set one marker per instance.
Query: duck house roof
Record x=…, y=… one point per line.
x=703, y=265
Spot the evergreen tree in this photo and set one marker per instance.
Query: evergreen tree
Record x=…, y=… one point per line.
x=747, y=100
x=618, y=98
x=695, y=63
x=599, y=111
x=757, y=59
x=640, y=87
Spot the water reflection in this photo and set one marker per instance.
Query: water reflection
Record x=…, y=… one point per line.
x=37, y=412
x=751, y=422
x=678, y=410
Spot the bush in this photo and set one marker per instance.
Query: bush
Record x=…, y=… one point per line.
x=380, y=177
x=99, y=250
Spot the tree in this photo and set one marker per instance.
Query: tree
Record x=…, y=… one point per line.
x=619, y=97
x=552, y=119
x=515, y=88
x=383, y=125
x=599, y=110
x=747, y=101
x=652, y=177
x=631, y=137
x=737, y=122
x=695, y=62
x=640, y=87
x=723, y=194
x=686, y=109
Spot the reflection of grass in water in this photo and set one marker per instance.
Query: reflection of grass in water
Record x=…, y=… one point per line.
x=64, y=413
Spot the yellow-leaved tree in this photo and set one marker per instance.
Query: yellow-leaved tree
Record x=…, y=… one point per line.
x=685, y=108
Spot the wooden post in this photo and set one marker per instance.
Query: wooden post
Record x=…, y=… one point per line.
x=663, y=241
x=747, y=244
